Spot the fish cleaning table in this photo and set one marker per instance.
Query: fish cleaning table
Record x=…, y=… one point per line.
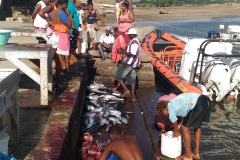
x=29, y=34
x=43, y=52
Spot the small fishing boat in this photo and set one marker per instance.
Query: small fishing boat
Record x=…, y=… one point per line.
x=233, y=33
x=194, y=66
x=163, y=10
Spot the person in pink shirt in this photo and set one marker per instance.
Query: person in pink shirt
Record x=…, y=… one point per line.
x=125, y=20
x=160, y=120
x=119, y=42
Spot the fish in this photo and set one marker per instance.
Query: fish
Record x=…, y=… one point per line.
x=112, y=97
x=90, y=107
x=118, y=105
x=94, y=128
x=91, y=114
x=101, y=121
x=98, y=109
x=107, y=127
x=128, y=112
x=92, y=123
x=94, y=103
x=116, y=93
x=105, y=120
x=94, y=96
x=114, y=112
x=114, y=119
x=83, y=128
x=125, y=118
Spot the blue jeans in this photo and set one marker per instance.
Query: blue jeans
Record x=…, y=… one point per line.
x=126, y=71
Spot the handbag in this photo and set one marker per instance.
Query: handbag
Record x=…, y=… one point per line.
x=96, y=26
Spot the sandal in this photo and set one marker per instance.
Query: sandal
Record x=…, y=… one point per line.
x=126, y=94
x=132, y=100
x=195, y=157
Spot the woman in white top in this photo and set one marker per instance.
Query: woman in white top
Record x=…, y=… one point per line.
x=40, y=24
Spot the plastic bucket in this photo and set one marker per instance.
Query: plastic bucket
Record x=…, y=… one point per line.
x=4, y=143
x=171, y=147
x=4, y=36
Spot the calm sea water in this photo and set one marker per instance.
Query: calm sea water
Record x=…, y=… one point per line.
x=220, y=139
x=194, y=28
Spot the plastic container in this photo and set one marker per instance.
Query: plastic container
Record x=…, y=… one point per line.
x=112, y=156
x=171, y=147
x=4, y=36
x=5, y=157
x=4, y=143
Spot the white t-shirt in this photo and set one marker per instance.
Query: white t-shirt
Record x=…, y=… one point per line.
x=80, y=14
x=106, y=39
x=39, y=21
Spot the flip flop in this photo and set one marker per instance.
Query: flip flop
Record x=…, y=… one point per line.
x=180, y=158
x=195, y=156
x=133, y=100
x=126, y=94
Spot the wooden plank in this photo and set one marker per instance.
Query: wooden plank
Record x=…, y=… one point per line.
x=26, y=69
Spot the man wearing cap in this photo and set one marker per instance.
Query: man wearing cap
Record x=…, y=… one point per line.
x=127, y=68
x=105, y=43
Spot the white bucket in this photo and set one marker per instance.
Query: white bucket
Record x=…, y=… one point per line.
x=4, y=143
x=171, y=147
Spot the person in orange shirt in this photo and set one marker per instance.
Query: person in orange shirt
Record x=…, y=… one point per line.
x=119, y=42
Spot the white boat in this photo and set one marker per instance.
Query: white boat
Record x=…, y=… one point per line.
x=210, y=65
x=205, y=66
x=233, y=33
x=107, y=6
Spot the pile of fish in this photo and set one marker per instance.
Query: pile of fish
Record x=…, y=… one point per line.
x=102, y=108
x=91, y=151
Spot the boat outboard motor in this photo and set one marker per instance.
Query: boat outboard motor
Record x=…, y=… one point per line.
x=216, y=79
x=235, y=77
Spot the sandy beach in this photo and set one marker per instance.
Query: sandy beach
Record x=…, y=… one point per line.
x=184, y=13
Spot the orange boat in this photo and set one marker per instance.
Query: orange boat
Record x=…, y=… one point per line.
x=166, y=52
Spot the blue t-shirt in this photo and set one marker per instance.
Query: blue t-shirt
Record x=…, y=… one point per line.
x=62, y=16
x=73, y=12
x=181, y=105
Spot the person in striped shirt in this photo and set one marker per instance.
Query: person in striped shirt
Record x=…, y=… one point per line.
x=127, y=68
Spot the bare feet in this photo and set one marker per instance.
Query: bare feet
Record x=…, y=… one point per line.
x=114, y=89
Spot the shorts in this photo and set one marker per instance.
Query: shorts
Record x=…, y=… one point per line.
x=125, y=36
x=200, y=113
x=126, y=71
x=80, y=34
x=73, y=41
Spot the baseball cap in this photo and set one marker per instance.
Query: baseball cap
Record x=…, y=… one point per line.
x=132, y=31
x=108, y=28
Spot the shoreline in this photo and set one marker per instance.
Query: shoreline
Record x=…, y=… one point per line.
x=182, y=13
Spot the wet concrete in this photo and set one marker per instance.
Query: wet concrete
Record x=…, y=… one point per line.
x=136, y=127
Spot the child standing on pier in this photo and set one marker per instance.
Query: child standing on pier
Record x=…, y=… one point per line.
x=40, y=24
